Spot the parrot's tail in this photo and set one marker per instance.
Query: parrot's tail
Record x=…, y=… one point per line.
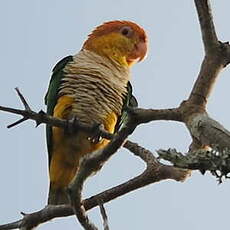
x=57, y=196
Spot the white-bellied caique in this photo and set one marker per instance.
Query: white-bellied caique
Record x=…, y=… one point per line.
x=93, y=86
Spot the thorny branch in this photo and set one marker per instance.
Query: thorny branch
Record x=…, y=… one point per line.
x=154, y=172
x=192, y=112
x=142, y=116
x=42, y=117
x=94, y=162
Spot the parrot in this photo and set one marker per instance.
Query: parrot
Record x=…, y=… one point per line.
x=94, y=87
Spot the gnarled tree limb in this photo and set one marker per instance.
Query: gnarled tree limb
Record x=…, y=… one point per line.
x=154, y=172
x=192, y=112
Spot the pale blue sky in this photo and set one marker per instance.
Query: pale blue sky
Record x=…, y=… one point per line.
x=36, y=34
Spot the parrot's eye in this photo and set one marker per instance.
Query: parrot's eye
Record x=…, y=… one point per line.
x=126, y=31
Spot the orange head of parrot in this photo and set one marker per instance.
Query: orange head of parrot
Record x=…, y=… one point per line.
x=122, y=41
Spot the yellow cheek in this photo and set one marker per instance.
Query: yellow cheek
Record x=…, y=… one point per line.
x=114, y=46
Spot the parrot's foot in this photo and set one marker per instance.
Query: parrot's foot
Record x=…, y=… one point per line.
x=96, y=133
x=71, y=124
x=131, y=110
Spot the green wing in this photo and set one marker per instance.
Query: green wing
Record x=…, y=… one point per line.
x=129, y=101
x=52, y=96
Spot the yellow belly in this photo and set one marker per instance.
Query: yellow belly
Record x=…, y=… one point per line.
x=68, y=149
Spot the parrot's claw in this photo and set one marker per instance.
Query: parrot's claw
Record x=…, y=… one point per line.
x=71, y=123
x=96, y=133
x=130, y=110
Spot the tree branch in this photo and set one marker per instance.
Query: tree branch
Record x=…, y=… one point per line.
x=207, y=27
x=216, y=55
x=90, y=164
x=154, y=172
x=142, y=116
x=148, y=115
x=104, y=216
x=203, y=129
x=209, y=132
x=216, y=160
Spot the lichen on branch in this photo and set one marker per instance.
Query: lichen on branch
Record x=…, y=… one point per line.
x=214, y=160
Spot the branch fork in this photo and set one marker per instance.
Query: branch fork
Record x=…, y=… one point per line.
x=192, y=112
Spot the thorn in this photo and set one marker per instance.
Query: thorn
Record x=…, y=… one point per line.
x=219, y=181
x=41, y=113
x=226, y=43
x=202, y=171
x=37, y=123
x=17, y=122
x=23, y=100
x=22, y=213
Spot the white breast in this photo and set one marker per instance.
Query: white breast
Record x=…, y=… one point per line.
x=97, y=85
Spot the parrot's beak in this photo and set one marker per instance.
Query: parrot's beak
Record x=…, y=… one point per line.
x=138, y=53
x=142, y=50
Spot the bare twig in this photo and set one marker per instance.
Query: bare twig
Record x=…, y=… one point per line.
x=13, y=225
x=91, y=164
x=148, y=115
x=75, y=191
x=42, y=117
x=23, y=100
x=27, y=108
x=210, y=69
x=209, y=36
x=217, y=56
x=155, y=172
x=143, y=116
x=17, y=122
x=104, y=216
x=141, y=152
